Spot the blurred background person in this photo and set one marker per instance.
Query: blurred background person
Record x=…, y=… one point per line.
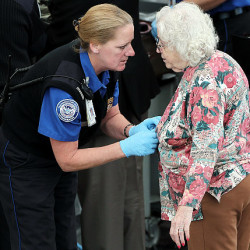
x=112, y=197
x=203, y=136
x=23, y=37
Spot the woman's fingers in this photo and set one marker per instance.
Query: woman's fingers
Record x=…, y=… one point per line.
x=177, y=234
x=181, y=236
x=180, y=225
x=187, y=232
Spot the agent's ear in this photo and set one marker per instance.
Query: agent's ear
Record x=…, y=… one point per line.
x=94, y=47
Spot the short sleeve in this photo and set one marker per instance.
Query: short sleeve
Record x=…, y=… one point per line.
x=60, y=117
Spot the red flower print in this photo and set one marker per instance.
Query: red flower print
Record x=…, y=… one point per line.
x=230, y=80
x=160, y=167
x=164, y=116
x=195, y=95
x=183, y=109
x=198, y=188
x=198, y=169
x=218, y=181
x=196, y=115
x=241, y=143
x=209, y=98
x=208, y=172
x=179, y=144
x=228, y=116
x=189, y=73
x=211, y=119
x=176, y=182
x=187, y=150
x=245, y=127
x=172, y=193
x=220, y=143
x=164, y=216
x=218, y=64
x=246, y=167
x=187, y=198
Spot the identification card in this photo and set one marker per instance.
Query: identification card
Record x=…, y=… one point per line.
x=90, y=112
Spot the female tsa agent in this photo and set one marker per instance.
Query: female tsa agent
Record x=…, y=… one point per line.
x=204, y=136
x=74, y=92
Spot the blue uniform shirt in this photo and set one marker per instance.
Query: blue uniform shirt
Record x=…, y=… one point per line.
x=228, y=6
x=60, y=117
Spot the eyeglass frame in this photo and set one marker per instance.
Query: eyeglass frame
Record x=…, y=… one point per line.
x=158, y=45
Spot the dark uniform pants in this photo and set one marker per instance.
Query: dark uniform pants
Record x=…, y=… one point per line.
x=37, y=202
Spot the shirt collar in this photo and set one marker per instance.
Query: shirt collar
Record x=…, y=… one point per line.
x=94, y=83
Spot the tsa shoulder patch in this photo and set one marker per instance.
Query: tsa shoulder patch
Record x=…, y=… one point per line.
x=67, y=110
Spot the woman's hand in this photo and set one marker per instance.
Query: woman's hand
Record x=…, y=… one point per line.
x=180, y=225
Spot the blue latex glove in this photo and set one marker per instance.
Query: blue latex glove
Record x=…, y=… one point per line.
x=140, y=144
x=154, y=29
x=148, y=124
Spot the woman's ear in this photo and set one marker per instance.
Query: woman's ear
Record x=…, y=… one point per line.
x=94, y=47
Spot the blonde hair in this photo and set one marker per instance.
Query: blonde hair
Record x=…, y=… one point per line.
x=100, y=23
x=187, y=29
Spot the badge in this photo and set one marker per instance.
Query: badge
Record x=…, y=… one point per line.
x=67, y=110
x=90, y=112
x=110, y=103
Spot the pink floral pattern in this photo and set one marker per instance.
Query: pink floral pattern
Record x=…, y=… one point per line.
x=204, y=135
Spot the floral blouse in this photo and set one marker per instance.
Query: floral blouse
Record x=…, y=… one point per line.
x=204, y=135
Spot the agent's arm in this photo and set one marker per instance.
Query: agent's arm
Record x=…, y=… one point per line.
x=70, y=158
x=114, y=123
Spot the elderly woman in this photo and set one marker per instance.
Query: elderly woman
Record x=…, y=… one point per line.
x=204, y=136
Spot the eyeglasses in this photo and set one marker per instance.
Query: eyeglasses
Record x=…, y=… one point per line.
x=158, y=45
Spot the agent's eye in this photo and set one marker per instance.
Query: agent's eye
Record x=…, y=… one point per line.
x=123, y=47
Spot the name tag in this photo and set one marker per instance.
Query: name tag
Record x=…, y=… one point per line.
x=90, y=112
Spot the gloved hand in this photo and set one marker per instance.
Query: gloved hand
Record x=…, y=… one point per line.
x=140, y=144
x=154, y=29
x=148, y=124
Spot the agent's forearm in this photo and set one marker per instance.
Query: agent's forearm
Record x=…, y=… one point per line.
x=70, y=158
x=114, y=123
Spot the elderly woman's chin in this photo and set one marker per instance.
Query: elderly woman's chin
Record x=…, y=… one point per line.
x=175, y=68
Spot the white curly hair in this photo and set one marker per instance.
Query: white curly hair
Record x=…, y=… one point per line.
x=187, y=29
